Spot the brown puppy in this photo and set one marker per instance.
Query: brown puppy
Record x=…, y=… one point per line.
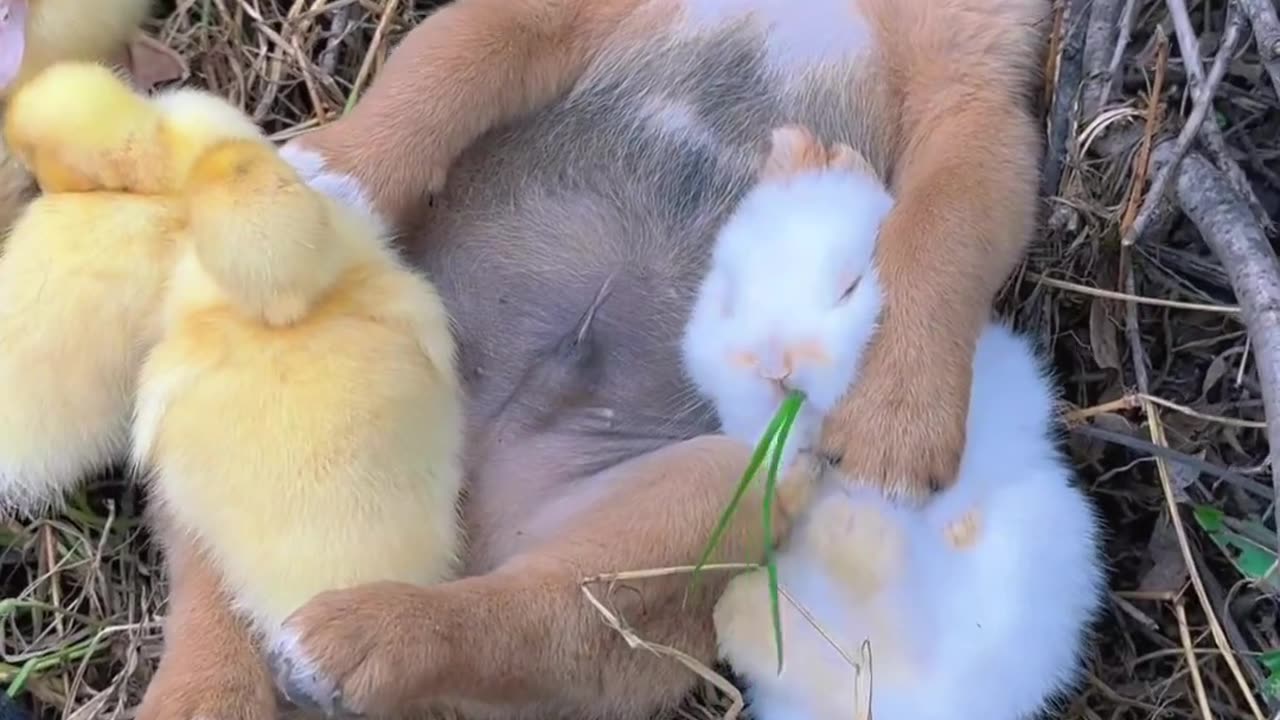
x=592, y=149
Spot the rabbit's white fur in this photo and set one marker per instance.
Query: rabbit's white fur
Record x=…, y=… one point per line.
x=778, y=270
x=988, y=626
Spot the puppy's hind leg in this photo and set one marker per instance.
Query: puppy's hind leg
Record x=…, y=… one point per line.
x=524, y=639
x=211, y=667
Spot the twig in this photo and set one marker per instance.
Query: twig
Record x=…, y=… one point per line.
x=1127, y=14
x=1197, y=682
x=366, y=66
x=1188, y=42
x=1251, y=486
x=337, y=31
x=1266, y=30
x=634, y=641
x=1142, y=162
x=1210, y=134
x=1184, y=546
x=1097, y=55
x=1229, y=229
x=1140, y=299
x=1199, y=110
x=1062, y=118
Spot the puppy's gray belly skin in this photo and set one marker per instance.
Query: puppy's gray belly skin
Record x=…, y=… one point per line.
x=599, y=212
x=597, y=201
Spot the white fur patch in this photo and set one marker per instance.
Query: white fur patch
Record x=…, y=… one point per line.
x=801, y=33
x=677, y=117
x=339, y=186
x=297, y=675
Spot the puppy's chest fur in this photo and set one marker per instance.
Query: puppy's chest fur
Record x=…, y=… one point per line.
x=798, y=36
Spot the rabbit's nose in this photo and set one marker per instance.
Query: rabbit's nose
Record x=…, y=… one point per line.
x=777, y=366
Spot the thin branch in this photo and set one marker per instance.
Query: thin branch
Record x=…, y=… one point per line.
x=1097, y=55
x=1210, y=133
x=1266, y=30
x=1199, y=111
x=1230, y=230
x=1127, y=14
x=1253, y=487
x=1062, y=115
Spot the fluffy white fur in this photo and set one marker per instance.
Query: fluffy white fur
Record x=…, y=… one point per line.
x=990, y=629
x=778, y=271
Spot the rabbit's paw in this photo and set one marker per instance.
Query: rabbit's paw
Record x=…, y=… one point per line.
x=862, y=545
x=743, y=622
x=361, y=651
x=963, y=532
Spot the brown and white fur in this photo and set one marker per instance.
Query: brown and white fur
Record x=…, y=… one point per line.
x=591, y=149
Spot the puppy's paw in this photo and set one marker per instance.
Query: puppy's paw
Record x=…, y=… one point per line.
x=367, y=650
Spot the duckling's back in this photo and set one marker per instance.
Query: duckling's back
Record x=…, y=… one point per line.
x=311, y=456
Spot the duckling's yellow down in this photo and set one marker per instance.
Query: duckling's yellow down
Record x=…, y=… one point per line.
x=57, y=31
x=82, y=274
x=301, y=414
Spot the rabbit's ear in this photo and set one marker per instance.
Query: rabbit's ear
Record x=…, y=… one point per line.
x=792, y=149
x=844, y=157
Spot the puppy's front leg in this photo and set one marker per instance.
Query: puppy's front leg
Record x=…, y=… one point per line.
x=524, y=638
x=966, y=190
x=468, y=67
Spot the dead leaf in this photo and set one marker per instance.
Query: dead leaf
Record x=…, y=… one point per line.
x=1103, y=336
x=1168, y=571
x=1182, y=476
x=151, y=63
x=1217, y=369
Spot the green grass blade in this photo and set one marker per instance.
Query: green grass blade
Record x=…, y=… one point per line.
x=757, y=459
x=790, y=408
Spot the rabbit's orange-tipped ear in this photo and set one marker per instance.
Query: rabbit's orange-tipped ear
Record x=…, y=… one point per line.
x=794, y=149
x=78, y=126
x=844, y=157
x=264, y=236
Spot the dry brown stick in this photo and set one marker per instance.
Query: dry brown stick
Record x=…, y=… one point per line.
x=1193, y=665
x=1188, y=558
x=1199, y=110
x=1142, y=162
x=1266, y=30
x=1239, y=243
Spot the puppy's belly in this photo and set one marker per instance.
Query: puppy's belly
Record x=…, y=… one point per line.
x=800, y=34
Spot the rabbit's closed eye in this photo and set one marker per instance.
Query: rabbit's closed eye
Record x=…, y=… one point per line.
x=848, y=291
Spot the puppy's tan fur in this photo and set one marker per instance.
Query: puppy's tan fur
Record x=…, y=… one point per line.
x=591, y=149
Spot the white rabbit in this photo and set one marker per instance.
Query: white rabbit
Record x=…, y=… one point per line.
x=975, y=605
x=786, y=302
